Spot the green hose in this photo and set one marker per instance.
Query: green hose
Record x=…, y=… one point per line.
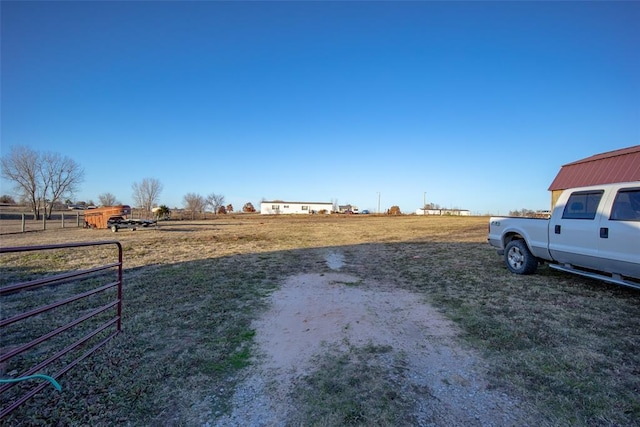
x=30, y=377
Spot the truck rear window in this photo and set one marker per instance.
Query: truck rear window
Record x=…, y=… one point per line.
x=626, y=206
x=582, y=205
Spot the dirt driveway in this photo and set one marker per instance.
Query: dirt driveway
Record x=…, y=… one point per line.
x=316, y=313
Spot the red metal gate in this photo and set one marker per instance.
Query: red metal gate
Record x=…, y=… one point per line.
x=92, y=299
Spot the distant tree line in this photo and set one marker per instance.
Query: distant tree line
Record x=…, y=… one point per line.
x=196, y=203
x=527, y=213
x=47, y=181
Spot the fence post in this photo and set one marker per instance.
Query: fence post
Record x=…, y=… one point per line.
x=23, y=224
x=62, y=219
x=78, y=219
x=44, y=221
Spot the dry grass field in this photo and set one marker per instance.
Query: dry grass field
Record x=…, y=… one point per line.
x=566, y=348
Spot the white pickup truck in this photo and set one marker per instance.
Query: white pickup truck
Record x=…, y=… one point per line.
x=593, y=231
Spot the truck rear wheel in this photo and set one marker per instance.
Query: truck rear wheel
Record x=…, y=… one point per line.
x=114, y=228
x=519, y=258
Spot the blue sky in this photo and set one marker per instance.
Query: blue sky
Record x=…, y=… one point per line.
x=476, y=104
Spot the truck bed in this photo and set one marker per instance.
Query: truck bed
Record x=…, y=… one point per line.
x=535, y=231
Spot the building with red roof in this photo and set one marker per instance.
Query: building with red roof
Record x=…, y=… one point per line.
x=613, y=166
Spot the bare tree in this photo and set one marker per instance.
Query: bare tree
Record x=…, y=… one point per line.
x=7, y=200
x=194, y=203
x=21, y=166
x=41, y=179
x=215, y=201
x=108, y=199
x=61, y=175
x=146, y=193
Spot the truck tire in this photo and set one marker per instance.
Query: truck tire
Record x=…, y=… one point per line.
x=114, y=228
x=519, y=258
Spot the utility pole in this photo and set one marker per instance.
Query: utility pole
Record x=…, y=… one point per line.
x=378, y=202
x=424, y=200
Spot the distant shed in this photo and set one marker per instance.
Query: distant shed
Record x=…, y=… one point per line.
x=613, y=166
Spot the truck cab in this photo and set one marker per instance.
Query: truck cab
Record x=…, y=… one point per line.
x=596, y=228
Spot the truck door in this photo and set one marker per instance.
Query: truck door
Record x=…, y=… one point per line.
x=574, y=235
x=619, y=234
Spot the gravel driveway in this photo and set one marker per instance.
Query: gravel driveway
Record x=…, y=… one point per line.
x=314, y=311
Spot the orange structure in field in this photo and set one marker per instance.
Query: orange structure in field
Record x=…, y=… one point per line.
x=99, y=217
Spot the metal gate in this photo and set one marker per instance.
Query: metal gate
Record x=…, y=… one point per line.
x=50, y=324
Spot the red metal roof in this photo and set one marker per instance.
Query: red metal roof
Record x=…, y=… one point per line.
x=613, y=166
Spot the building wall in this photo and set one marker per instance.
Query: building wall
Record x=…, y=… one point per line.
x=278, y=207
x=555, y=195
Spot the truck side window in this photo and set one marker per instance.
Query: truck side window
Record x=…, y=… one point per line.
x=626, y=206
x=582, y=205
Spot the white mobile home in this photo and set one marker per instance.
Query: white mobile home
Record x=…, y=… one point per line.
x=455, y=212
x=280, y=207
